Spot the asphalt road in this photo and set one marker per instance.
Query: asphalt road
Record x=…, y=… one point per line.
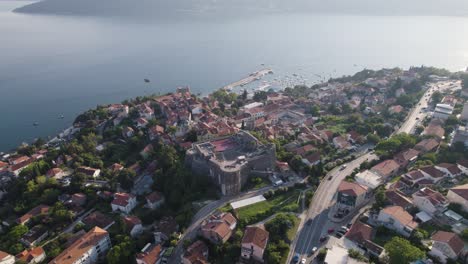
x=309, y=234
x=191, y=232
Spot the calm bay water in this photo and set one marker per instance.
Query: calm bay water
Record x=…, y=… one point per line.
x=54, y=65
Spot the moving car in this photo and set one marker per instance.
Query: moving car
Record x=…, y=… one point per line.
x=314, y=249
x=295, y=259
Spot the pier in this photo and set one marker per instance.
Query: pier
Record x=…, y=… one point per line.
x=251, y=78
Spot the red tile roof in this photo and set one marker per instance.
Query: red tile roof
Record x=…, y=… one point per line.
x=433, y=172
x=452, y=168
x=352, y=188
x=461, y=191
x=38, y=210
x=151, y=255
x=154, y=197
x=401, y=215
x=29, y=254
x=122, y=199
x=81, y=246
x=455, y=243
x=256, y=236
x=435, y=198
x=386, y=167
x=359, y=232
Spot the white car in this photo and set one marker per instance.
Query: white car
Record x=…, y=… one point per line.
x=314, y=249
x=303, y=261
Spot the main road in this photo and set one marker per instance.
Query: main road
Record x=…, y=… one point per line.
x=315, y=221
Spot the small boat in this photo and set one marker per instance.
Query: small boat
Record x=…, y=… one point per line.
x=35, y=124
x=146, y=80
x=61, y=116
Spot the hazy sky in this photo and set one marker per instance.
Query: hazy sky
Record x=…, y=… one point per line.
x=148, y=7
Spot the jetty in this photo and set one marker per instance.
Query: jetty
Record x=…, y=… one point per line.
x=255, y=76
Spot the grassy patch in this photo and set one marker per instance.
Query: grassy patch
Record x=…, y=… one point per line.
x=255, y=183
x=292, y=232
x=286, y=202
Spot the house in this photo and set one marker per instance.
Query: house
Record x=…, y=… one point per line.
x=155, y=131
x=141, y=122
x=164, y=228
x=218, y=228
x=386, y=168
x=369, y=179
x=406, y=157
x=361, y=235
x=427, y=145
x=133, y=224
x=116, y=167
x=461, y=136
x=38, y=210
x=430, y=201
x=432, y=173
x=150, y=254
x=34, y=236
x=446, y=245
x=55, y=173
x=90, y=248
x=254, y=243
x=451, y=170
x=464, y=114
x=434, y=129
x=413, y=177
x=98, y=219
x=146, y=152
x=354, y=137
x=154, y=200
x=351, y=194
x=124, y=202
x=463, y=165
x=443, y=111
x=396, y=197
x=459, y=195
x=128, y=132
x=6, y=258
x=397, y=219
x=283, y=166
x=197, y=253
x=92, y=172
x=312, y=159
x=32, y=255
x=396, y=109
x=78, y=199
x=16, y=168
x=341, y=143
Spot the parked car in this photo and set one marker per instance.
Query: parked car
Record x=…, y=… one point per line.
x=314, y=249
x=331, y=230
x=323, y=239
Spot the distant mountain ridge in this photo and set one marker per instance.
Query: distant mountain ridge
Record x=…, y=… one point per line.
x=173, y=8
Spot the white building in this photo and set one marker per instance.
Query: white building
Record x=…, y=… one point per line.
x=369, y=179
x=124, y=202
x=90, y=248
x=397, y=219
x=464, y=114
x=254, y=243
x=459, y=195
x=6, y=258
x=443, y=111
x=430, y=201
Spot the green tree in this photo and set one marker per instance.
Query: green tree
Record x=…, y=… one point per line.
x=401, y=251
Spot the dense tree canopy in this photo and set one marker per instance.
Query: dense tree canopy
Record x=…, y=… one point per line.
x=401, y=251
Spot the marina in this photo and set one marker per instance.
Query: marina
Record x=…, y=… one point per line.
x=255, y=76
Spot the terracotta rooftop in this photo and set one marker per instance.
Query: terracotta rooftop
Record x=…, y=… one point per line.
x=154, y=197
x=29, y=254
x=386, y=167
x=195, y=252
x=427, y=144
x=435, y=198
x=401, y=215
x=398, y=198
x=132, y=221
x=79, y=247
x=359, y=232
x=352, y=188
x=151, y=255
x=38, y=210
x=461, y=191
x=433, y=172
x=256, y=236
x=97, y=219
x=451, y=239
x=463, y=163
x=452, y=168
x=122, y=199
